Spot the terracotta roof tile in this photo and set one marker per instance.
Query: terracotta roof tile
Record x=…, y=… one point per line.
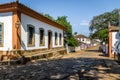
x=81, y=36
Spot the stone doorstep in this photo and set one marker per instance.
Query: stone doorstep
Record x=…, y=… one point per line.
x=38, y=55
x=47, y=54
x=43, y=52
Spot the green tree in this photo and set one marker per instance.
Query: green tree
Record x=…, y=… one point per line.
x=103, y=35
x=72, y=42
x=69, y=38
x=99, y=24
x=75, y=33
x=63, y=21
x=49, y=17
x=101, y=21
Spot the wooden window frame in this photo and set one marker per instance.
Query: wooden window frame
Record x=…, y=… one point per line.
x=60, y=39
x=33, y=40
x=43, y=41
x=2, y=24
x=56, y=38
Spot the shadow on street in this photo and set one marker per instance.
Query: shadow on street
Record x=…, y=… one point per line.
x=62, y=69
x=85, y=65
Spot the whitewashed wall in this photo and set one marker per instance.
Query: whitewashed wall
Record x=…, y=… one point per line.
x=6, y=18
x=114, y=39
x=37, y=24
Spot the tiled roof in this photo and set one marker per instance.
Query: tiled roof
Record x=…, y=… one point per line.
x=81, y=36
x=16, y=6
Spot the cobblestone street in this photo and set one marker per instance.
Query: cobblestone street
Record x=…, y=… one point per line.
x=82, y=65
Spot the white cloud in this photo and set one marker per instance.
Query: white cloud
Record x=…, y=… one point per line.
x=84, y=23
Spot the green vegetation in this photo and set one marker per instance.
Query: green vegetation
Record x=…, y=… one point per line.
x=69, y=37
x=72, y=42
x=75, y=33
x=49, y=17
x=99, y=24
x=103, y=35
x=63, y=21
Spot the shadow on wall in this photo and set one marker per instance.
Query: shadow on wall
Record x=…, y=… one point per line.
x=22, y=42
x=116, y=47
x=117, y=35
x=23, y=45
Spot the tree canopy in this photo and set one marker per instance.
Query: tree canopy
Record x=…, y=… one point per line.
x=63, y=21
x=49, y=17
x=99, y=24
x=75, y=33
x=72, y=41
x=69, y=37
x=101, y=21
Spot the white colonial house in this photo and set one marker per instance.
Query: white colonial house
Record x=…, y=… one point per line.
x=22, y=28
x=84, y=41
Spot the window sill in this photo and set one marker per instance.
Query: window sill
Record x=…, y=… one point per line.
x=42, y=45
x=30, y=45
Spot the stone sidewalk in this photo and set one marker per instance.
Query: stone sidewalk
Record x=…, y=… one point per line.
x=83, y=65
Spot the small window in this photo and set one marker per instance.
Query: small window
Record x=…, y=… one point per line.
x=1, y=34
x=56, y=39
x=42, y=40
x=82, y=39
x=31, y=35
x=60, y=39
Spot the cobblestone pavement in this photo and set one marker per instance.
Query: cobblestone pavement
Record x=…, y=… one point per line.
x=82, y=65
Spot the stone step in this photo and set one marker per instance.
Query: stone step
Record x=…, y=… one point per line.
x=42, y=52
x=49, y=54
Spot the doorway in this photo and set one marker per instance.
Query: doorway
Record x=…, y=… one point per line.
x=49, y=39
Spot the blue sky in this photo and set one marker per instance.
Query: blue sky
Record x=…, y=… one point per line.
x=79, y=12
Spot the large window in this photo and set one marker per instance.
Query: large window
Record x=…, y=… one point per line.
x=42, y=40
x=60, y=39
x=56, y=38
x=31, y=35
x=1, y=34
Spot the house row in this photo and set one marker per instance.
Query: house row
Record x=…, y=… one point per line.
x=85, y=42
x=22, y=28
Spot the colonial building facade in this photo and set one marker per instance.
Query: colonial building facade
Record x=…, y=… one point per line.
x=22, y=28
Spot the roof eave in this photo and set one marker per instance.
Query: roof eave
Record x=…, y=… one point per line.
x=16, y=6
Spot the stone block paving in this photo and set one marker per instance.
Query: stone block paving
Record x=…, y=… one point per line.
x=74, y=66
